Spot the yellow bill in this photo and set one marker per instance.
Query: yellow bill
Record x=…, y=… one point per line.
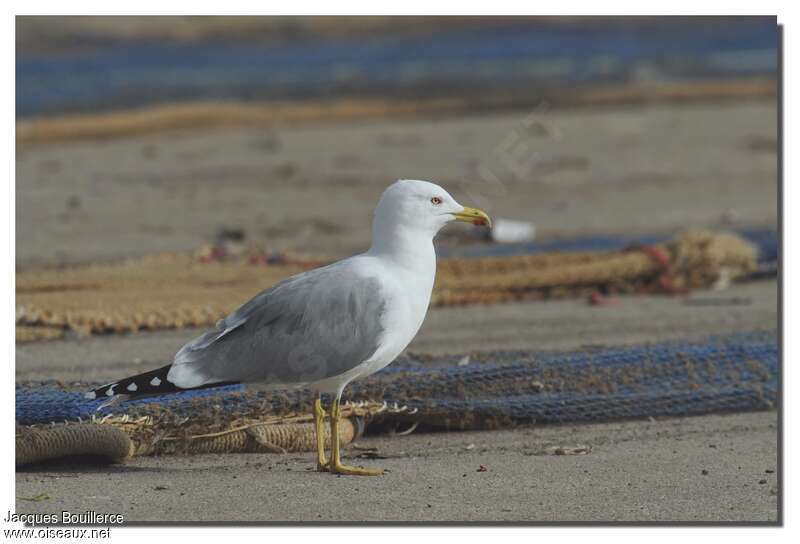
x=474, y=216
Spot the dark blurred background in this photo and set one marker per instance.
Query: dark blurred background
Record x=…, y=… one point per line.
x=68, y=64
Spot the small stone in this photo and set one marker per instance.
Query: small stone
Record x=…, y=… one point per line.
x=704, y=472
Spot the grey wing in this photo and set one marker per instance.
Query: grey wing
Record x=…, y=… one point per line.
x=306, y=328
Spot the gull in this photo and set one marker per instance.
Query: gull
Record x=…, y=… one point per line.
x=325, y=327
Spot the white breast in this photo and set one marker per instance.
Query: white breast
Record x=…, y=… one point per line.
x=403, y=316
x=408, y=294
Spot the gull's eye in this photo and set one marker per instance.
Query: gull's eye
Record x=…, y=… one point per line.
x=436, y=201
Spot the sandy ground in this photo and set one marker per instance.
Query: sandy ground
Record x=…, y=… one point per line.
x=646, y=169
x=619, y=170
x=711, y=468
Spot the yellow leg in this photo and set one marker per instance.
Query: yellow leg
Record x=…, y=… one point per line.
x=319, y=420
x=336, y=465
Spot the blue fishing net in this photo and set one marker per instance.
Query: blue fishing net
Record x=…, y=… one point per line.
x=727, y=373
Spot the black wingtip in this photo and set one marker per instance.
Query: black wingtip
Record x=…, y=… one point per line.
x=149, y=383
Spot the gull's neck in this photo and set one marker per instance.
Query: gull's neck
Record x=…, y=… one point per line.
x=409, y=248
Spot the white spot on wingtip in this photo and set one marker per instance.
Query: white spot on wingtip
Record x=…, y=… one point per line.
x=91, y=395
x=110, y=392
x=155, y=382
x=132, y=387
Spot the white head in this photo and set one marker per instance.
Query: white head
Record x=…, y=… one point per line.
x=419, y=208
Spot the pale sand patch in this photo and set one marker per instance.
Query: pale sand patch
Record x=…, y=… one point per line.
x=312, y=189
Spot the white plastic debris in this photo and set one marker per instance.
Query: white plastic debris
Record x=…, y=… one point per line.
x=509, y=231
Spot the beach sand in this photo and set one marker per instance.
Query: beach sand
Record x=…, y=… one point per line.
x=628, y=170
x=636, y=471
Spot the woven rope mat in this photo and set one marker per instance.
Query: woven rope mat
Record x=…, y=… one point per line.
x=119, y=437
x=180, y=290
